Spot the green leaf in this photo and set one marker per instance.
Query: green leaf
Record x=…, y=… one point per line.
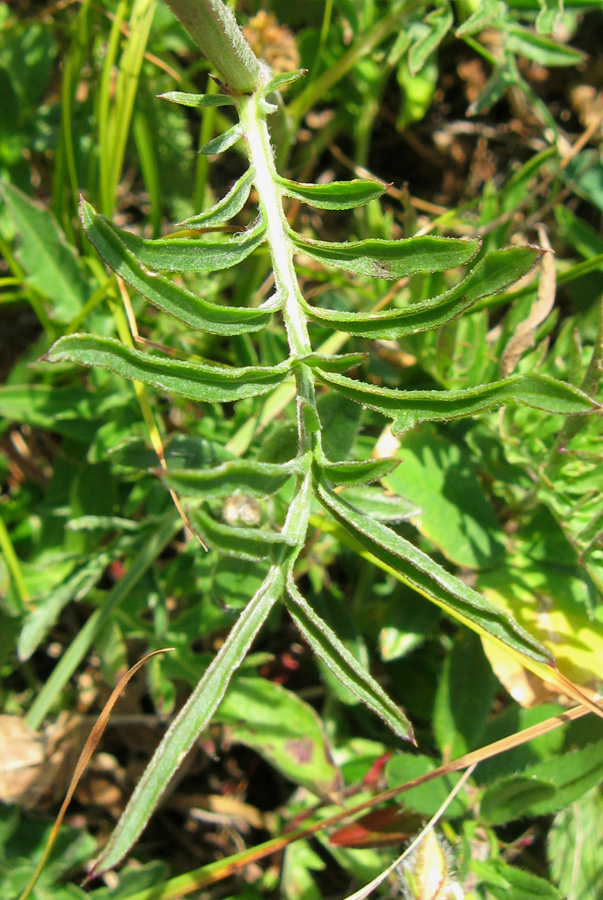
x=419, y=571
x=408, y=408
x=281, y=81
x=542, y=50
x=191, y=254
x=549, y=16
x=227, y=207
x=492, y=274
x=510, y=798
x=505, y=881
x=376, y=503
x=487, y=13
x=198, y=101
x=389, y=259
x=194, y=716
x=257, y=479
x=333, y=362
x=208, y=384
x=161, y=292
x=439, y=23
x=283, y=729
x=428, y=797
x=244, y=543
x=344, y=666
x=574, y=847
x=438, y=476
x=358, y=472
x=460, y=712
x=335, y=195
x=223, y=142
x=51, y=265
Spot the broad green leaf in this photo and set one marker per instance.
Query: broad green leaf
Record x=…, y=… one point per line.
x=358, y=472
x=340, y=420
x=191, y=254
x=50, y=264
x=408, y=408
x=438, y=23
x=234, y=581
x=344, y=666
x=208, y=384
x=68, y=410
x=542, y=50
x=194, y=716
x=437, y=474
x=574, y=847
x=460, y=712
x=510, y=798
x=161, y=292
x=181, y=451
x=419, y=571
x=335, y=195
x=226, y=208
x=223, y=142
x=426, y=798
x=198, y=101
x=504, y=882
x=492, y=274
x=389, y=259
x=257, y=479
x=244, y=543
x=283, y=729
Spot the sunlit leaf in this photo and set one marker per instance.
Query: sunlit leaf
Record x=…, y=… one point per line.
x=335, y=194
x=407, y=408
x=227, y=207
x=161, y=292
x=244, y=543
x=210, y=384
x=198, y=101
x=257, y=479
x=390, y=259
x=492, y=274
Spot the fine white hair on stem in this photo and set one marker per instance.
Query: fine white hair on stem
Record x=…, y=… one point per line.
x=376, y=882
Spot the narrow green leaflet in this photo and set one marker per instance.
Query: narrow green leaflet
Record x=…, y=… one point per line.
x=389, y=259
x=281, y=81
x=190, y=254
x=439, y=21
x=227, y=207
x=198, y=101
x=327, y=647
x=194, y=716
x=541, y=49
x=244, y=543
x=250, y=477
x=336, y=195
x=209, y=384
x=408, y=408
x=431, y=580
x=161, y=292
x=492, y=274
x=359, y=471
x=223, y=142
x=333, y=362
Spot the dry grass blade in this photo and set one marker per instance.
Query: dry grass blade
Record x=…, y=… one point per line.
x=85, y=756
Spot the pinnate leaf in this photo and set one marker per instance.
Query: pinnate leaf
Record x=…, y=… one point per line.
x=244, y=543
x=389, y=259
x=191, y=254
x=197, y=381
x=227, y=207
x=492, y=274
x=328, y=648
x=408, y=408
x=161, y=292
x=194, y=716
x=256, y=479
x=335, y=195
x=198, y=101
x=419, y=571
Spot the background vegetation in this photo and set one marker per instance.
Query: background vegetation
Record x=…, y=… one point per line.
x=487, y=121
